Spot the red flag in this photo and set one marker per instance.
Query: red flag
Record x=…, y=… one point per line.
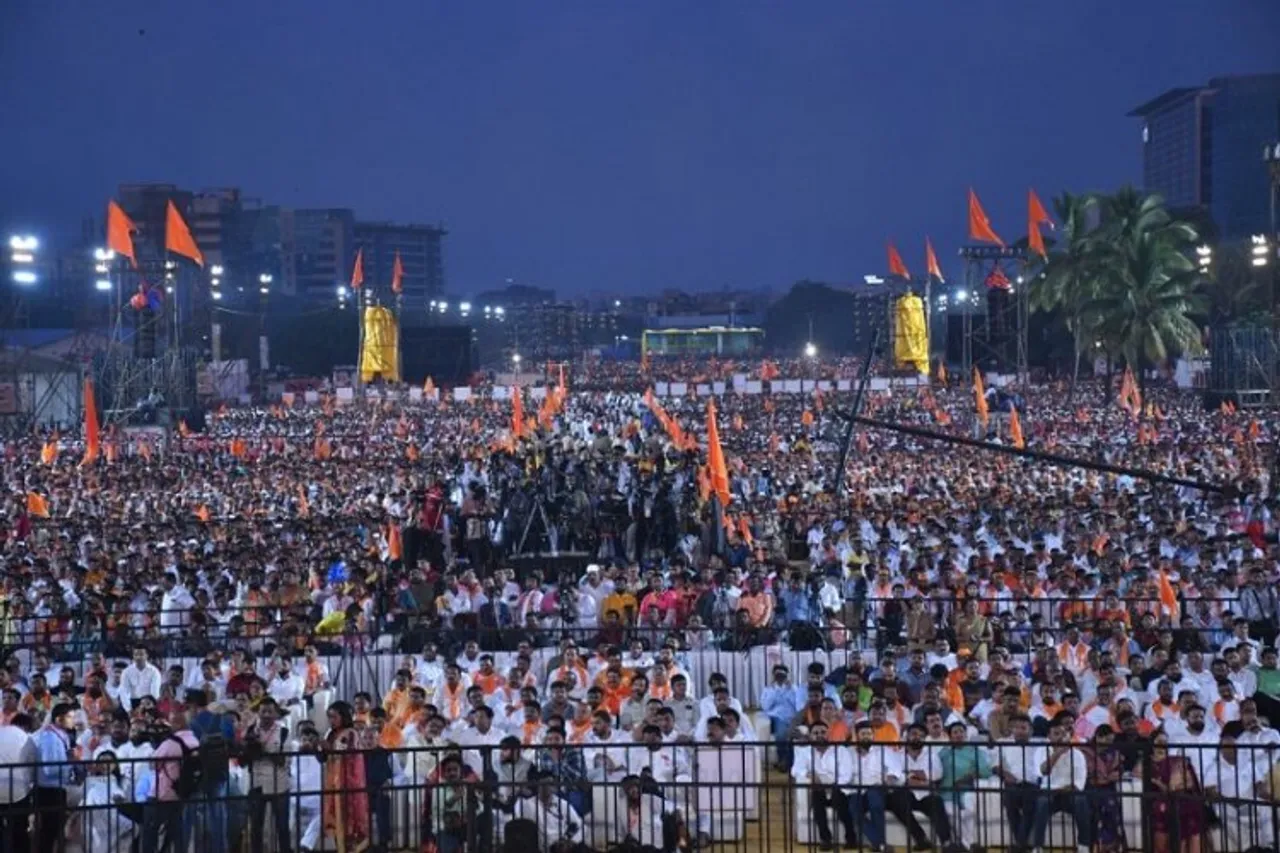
x=120, y=230
x=177, y=236
x=1036, y=216
x=896, y=266
x=92, y=432
x=979, y=225
x=716, y=466
x=397, y=275
x=357, y=271
x=931, y=262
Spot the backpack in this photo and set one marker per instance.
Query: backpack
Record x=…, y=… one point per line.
x=204, y=769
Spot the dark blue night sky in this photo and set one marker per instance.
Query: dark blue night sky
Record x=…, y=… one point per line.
x=609, y=145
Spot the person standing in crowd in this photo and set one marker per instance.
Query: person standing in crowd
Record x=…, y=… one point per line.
x=19, y=761
x=57, y=773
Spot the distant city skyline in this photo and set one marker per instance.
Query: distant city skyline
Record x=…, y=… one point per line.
x=589, y=148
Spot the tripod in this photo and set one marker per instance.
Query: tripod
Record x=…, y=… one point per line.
x=538, y=512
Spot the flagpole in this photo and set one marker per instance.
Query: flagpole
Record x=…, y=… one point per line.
x=359, y=377
x=399, y=334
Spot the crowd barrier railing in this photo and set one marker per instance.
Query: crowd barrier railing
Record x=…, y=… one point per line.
x=480, y=797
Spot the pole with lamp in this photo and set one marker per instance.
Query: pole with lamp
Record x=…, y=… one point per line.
x=103, y=262
x=264, y=357
x=216, y=274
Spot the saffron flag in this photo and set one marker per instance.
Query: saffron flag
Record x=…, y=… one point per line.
x=517, y=412
x=177, y=236
x=979, y=225
x=980, y=399
x=931, y=262
x=716, y=466
x=397, y=276
x=1168, y=598
x=1015, y=430
x=92, y=432
x=357, y=271
x=37, y=505
x=120, y=230
x=1036, y=216
x=49, y=452
x=896, y=266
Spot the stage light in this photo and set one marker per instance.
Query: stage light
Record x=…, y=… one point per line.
x=23, y=243
x=962, y=295
x=102, y=284
x=24, y=277
x=216, y=270
x=810, y=350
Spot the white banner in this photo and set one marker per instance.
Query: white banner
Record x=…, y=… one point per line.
x=679, y=389
x=702, y=389
x=537, y=392
x=501, y=392
x=346, y=395
x=461, y=395
x=807, y=385
x=793, y=386
x=718, y=388
x=879, y=383
x=824, y=384
x=661, y=389
x=754, y=386
x=740, y=380
x=844, y=384
x=311, y=396
x=415, y=395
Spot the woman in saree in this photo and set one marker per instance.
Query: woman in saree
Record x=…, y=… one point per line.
x=1106, y=766
x=1177, y=814
x=345, y=800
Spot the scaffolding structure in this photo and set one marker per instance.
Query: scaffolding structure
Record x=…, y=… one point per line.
x=993, y=280
x=144, y=375
x=1244, y=365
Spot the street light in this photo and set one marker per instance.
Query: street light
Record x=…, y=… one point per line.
x=1261, y=250
x=264, y=283
x=23, y=254
x=962, y=295
x=515, y=359
x=810, y=350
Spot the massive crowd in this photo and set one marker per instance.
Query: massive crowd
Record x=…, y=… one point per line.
x=958, y=621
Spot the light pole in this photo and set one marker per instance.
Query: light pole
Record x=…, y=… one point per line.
x=264, y=360
x=1271, y=156
x=22, y=254
x=216, y=274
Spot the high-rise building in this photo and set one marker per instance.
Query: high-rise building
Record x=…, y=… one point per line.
x=1202, y=148
x=421, y=258
x=323, y=250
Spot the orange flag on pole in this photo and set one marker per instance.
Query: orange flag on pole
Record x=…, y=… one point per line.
x=357, y=271
x=120, y=230
x=1015, y=430
x=49, y=452
x=397, y=276
x=92, y=432
x=177, y=236
x=931, y=262
x=979, y=225
x=896, y=266
x=980, y=399
x=716, y=466
x=37, y=505
x=1168, y=598
x=517, y=412
x=1036, y=216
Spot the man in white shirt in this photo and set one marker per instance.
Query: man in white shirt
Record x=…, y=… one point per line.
x=556, y=818
x=921, y=773
x=18, y=759
x=1235, y=779
x=288, y=689
x=1016, y=764
x=826, y=771
x=141, y=679
x=1064, y=771
x=481, y=734
x=875, y=770
x=1198, y=741
x=604, y=751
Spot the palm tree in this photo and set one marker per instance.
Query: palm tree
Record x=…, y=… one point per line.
x=1148, y=287
x=1068, y=278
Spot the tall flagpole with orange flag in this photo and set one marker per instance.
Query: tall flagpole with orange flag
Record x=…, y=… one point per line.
x=178, y=241
x=718, y=472
x=357, y=287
